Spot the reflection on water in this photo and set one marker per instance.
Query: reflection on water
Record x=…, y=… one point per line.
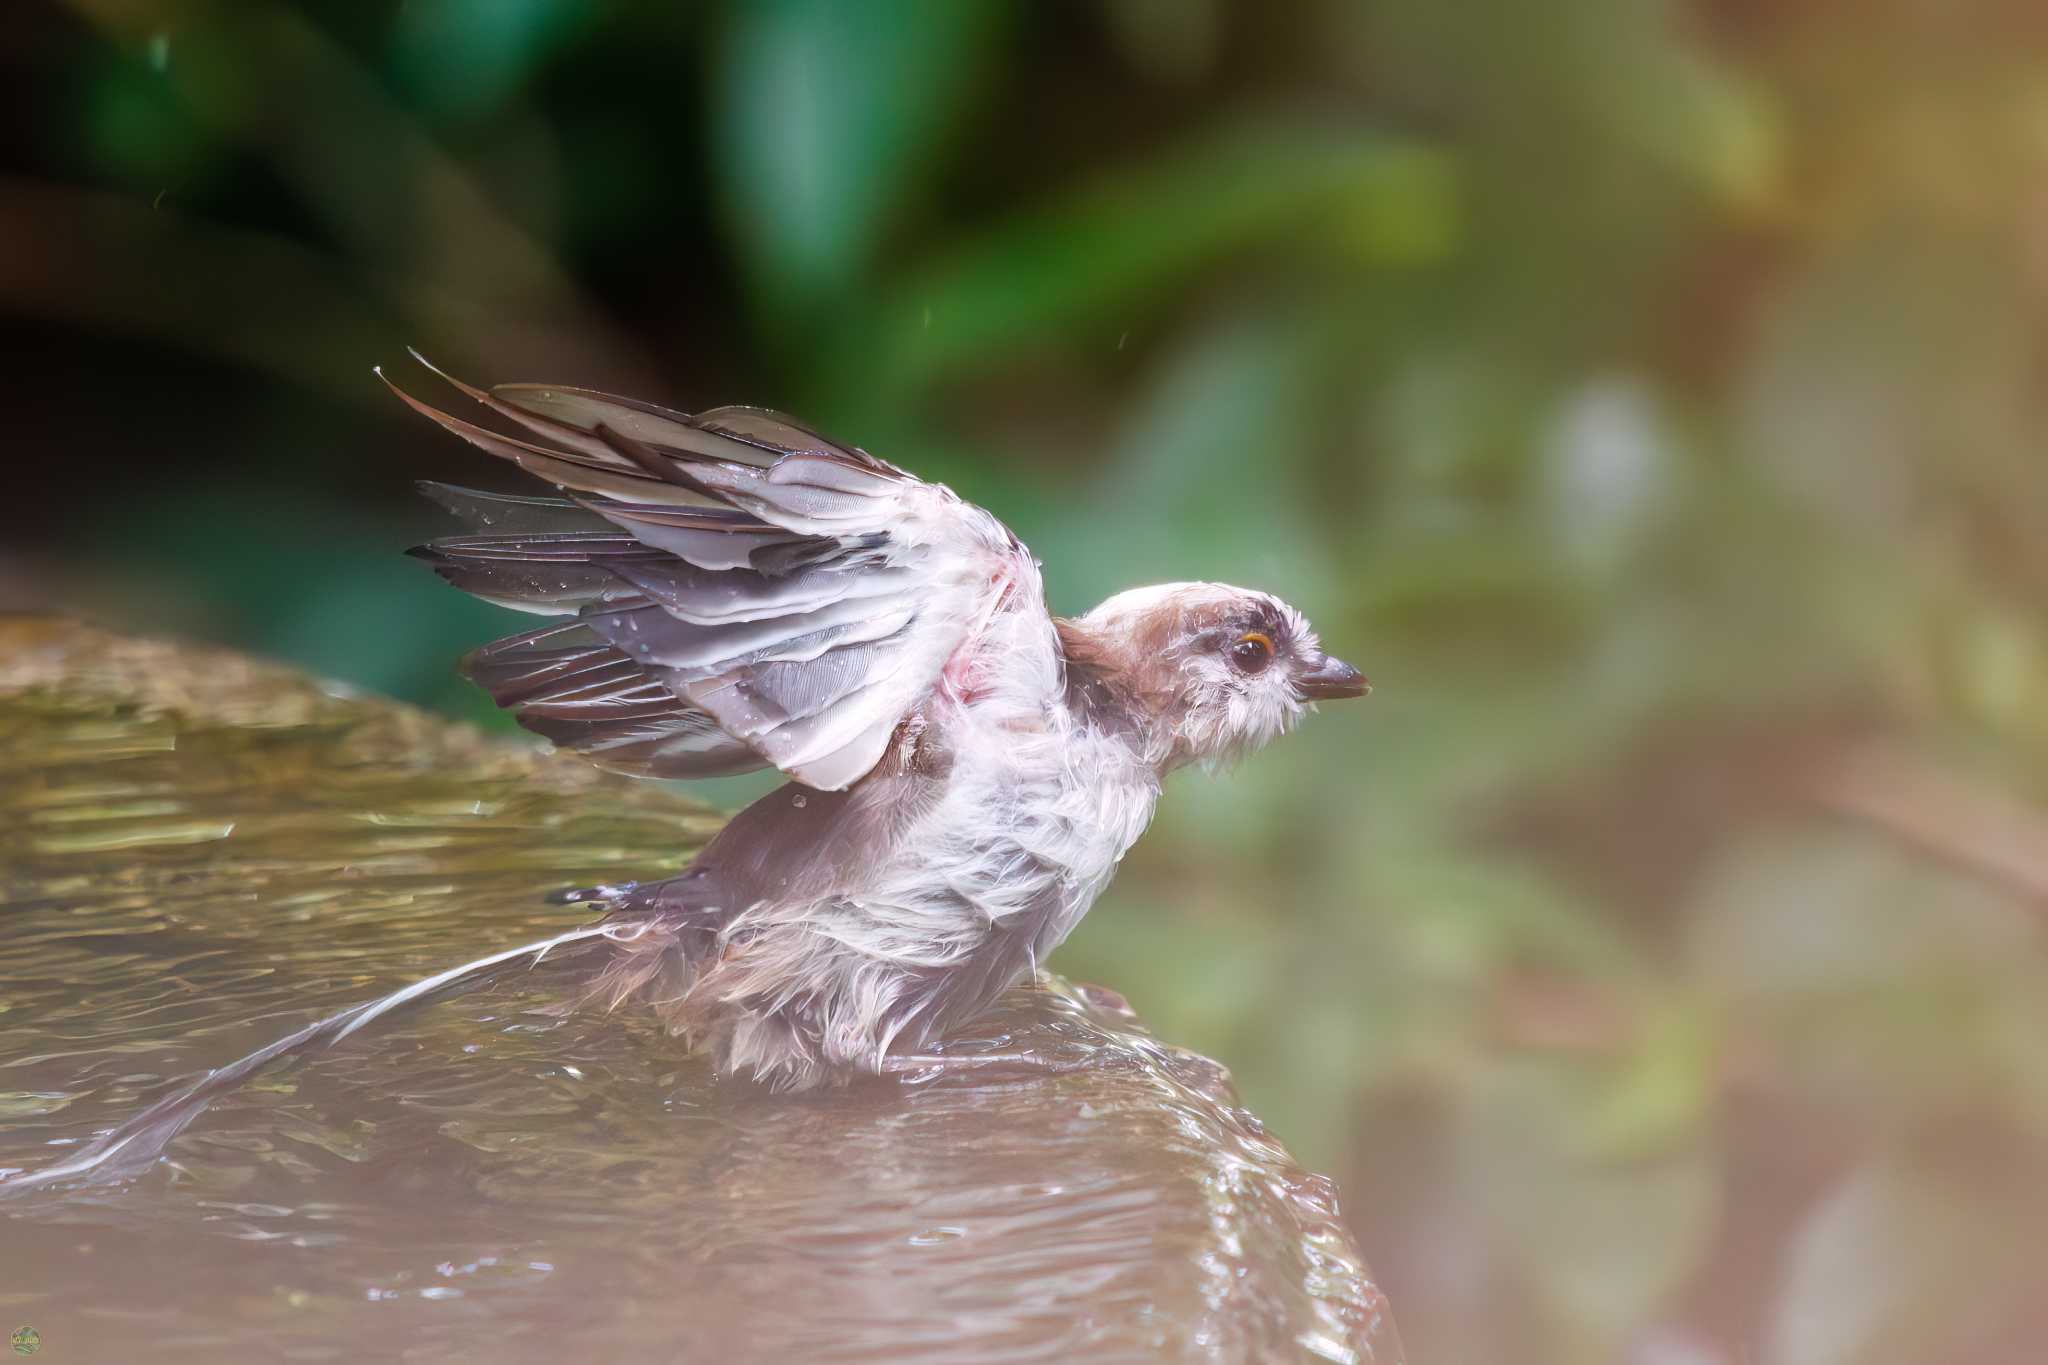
x=198, y=855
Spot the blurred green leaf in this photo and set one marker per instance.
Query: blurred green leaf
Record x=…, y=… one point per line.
x=1098, y=256
x=138, y=132
x=830, y=116
x=465, y=58
x=1192, y=976
x=1471, y=915
x=1663, y=1093
x=1204, y=452
x=1628, y=84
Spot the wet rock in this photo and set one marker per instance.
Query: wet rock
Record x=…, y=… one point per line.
x=200, y=853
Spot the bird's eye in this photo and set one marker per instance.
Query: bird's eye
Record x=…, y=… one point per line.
x=1252, y=652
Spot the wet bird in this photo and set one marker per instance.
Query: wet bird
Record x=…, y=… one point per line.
x=731, y=590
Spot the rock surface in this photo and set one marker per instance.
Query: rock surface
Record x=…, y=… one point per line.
x=200, y=853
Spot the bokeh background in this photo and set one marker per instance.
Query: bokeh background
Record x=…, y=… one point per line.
x=1650, y=396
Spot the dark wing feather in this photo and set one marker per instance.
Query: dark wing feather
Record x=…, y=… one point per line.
x=775, y=432
x=564, y=469
x=511, y=514
x=572, y=687
x=739, y=583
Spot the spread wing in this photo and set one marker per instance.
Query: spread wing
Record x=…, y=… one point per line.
x=734, y=589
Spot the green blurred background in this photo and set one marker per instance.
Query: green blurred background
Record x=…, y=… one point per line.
x=1650, y=396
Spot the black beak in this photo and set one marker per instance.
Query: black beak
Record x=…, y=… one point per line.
x=1329, y=680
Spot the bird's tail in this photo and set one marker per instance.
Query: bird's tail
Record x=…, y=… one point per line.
x=130, y=1148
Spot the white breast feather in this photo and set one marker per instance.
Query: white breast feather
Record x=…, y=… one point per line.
x=1037, y=810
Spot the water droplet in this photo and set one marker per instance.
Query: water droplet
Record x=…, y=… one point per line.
x=799, y=800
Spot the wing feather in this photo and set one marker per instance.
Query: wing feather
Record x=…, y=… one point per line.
x=508, y=514
x=736, y=587
x=585, y=695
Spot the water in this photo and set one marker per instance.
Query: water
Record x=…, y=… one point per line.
x=199, y=855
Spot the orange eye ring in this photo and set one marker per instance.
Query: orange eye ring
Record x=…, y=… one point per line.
x=1252, y=652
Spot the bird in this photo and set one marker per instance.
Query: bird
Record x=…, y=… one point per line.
x=731, y=590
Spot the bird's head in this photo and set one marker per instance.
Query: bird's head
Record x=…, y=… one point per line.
x=1211, y=672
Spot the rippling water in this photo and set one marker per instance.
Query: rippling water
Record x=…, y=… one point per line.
x=198, y=855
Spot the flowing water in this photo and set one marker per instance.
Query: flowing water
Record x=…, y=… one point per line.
x=199, y=855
